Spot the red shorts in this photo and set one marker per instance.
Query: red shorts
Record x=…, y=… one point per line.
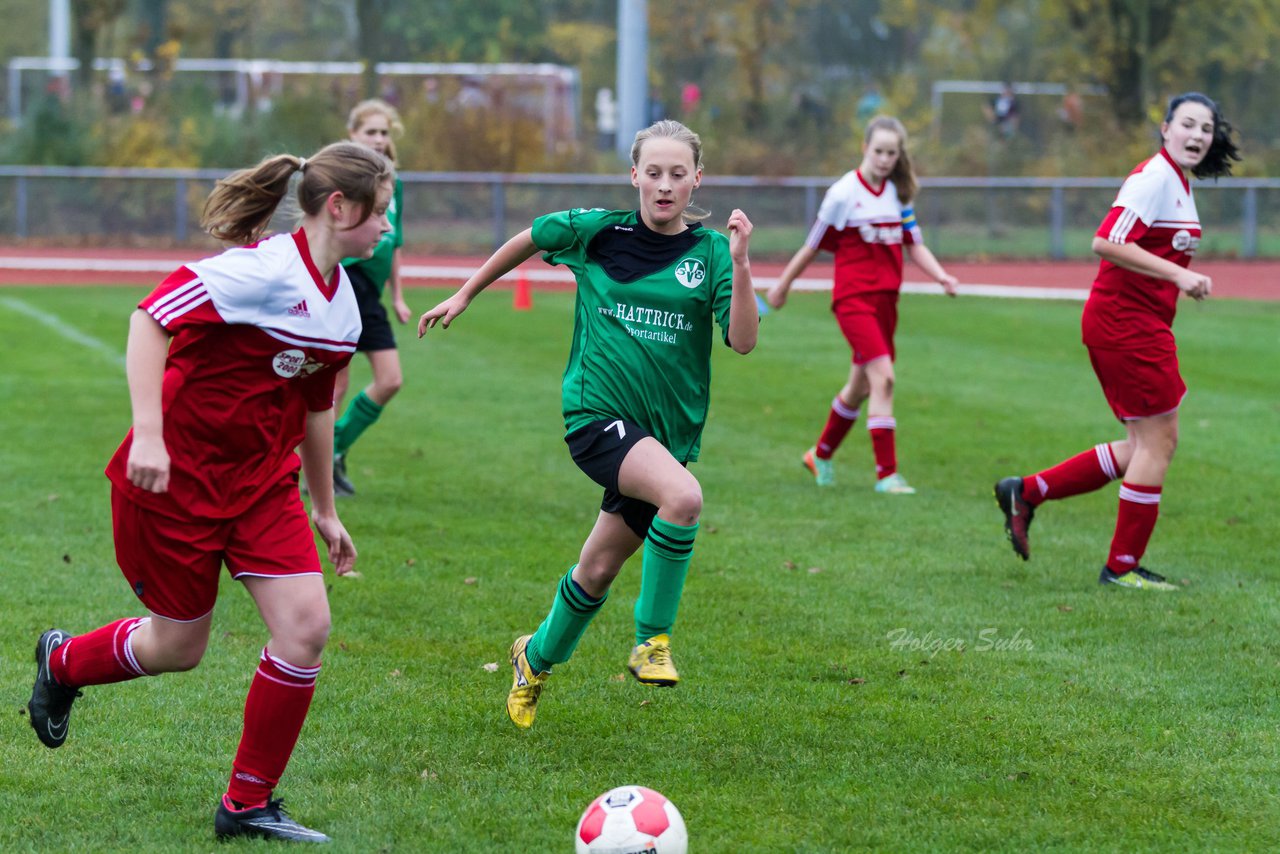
x=1139, y=383
x=868, y=322
x=173, y=564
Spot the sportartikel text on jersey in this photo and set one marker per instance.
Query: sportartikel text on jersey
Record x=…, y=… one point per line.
x=866, y=230
x=257, y=339
x=645, y=308
x=1156, y=210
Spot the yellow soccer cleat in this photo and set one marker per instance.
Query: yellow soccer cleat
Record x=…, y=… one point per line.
x=522, y=702
x=1138, y=578
x=651, y=662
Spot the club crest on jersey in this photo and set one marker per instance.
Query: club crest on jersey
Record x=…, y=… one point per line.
x=1183, y=241
x=690, y=272
x=288, y=363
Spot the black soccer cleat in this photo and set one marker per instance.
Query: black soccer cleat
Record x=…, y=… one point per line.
x=266, y=822
x=342, y=485
x=50, y=705
x=1017, y=515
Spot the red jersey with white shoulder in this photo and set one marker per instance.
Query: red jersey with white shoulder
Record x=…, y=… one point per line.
x=1154, y=209
x=865, y=229
x=257, y=339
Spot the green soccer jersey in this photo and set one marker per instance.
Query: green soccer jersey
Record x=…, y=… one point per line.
x=642, y=332
x=378, y=268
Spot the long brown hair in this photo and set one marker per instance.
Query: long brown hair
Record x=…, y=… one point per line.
x=241, y=204
x=903, y=176
x=377, y=107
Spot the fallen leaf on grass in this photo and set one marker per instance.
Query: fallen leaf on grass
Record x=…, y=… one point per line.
x=491, y=667
x=618, y=677
x=814, y=570
x=1066, y=609
x=1021, y=775
x=787, y=564
x=471, y=580
x=409, y=561
x=645, y=702
x=428, y=774
x=857, y=680
x=395, y=673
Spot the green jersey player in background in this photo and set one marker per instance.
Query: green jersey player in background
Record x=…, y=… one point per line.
x=636, y=390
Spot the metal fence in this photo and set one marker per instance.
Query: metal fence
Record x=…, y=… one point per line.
x=472, y=212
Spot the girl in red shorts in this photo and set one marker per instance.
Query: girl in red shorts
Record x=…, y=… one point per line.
x=231, y=364
x=866, y=220
x=1146, y=242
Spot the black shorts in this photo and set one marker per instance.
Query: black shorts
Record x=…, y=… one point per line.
x=376, y=333
x=599, y=449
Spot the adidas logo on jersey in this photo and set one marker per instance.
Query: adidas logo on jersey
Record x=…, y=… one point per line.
x=300, y=310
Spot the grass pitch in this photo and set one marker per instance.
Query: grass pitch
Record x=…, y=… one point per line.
x=860, y=671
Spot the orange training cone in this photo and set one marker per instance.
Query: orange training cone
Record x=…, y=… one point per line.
x=523, y=298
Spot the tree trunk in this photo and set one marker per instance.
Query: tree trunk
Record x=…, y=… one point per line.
x=369, y=17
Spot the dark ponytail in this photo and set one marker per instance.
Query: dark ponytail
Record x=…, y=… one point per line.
x=1223, y=150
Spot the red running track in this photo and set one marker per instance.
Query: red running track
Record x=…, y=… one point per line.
x=141, y=267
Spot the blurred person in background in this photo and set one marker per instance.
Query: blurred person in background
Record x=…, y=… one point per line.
x=1146, y=242
x=373, y=124
x=867, y=221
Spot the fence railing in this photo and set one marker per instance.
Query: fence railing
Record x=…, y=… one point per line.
x=473, y=212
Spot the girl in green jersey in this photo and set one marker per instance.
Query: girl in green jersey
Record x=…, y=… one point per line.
x=372, y=123
x=651, y=283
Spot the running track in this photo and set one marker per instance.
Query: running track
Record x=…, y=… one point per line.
x=1042, y=279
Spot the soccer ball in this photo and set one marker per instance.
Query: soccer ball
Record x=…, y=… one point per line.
x=631, y=820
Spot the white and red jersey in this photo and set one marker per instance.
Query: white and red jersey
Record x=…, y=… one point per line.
x=865, y=229
x=258, y=337
x=1155, y=210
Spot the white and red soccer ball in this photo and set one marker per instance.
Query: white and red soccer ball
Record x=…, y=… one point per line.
x=631, y=820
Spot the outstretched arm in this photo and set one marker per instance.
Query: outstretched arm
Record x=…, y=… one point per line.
x=1133, y=257
x=778, y=293
x=510, y=255
x=924, y=259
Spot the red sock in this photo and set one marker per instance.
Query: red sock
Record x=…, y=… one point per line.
x=1085, y=472
x=273, y=714
x=1136, y=519
x=99, y=657
x=838, y=424
x=881, y=428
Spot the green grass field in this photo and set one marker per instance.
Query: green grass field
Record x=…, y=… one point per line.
x=1074, y=717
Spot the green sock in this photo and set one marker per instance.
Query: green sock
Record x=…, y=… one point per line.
x=667, y=551
x=360, y=414
x=571, y=613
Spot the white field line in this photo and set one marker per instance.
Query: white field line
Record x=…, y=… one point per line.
x=460, y=274
x=65, y=330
